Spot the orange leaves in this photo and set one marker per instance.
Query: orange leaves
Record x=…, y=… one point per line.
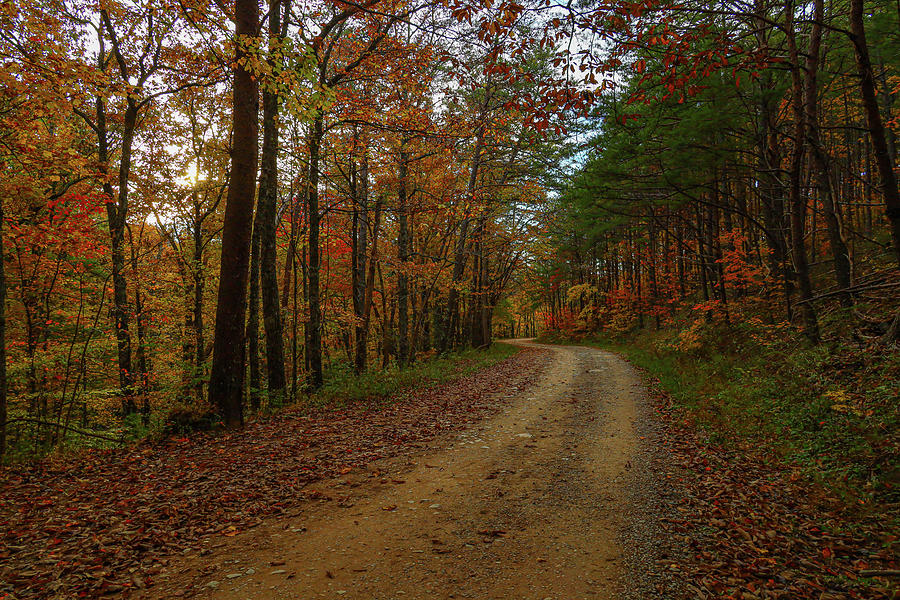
x=463, y=13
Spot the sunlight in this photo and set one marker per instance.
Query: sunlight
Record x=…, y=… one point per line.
x=192, y=176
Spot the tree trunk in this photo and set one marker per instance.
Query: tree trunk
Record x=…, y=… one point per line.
x=199, y=286
x=253, y=318
x=770, y=187
x=715, y=244
x=476, y=308
x=142, y=350
x=487, y=301
x=654, y=284
x=459, y=260
x=188, y=352
x=701, y=256
x=314, y=329
x=268, y=199
x=143, y=356
x=873, y=119
x=797, y=199
x=294, y=265
x=227, y=373
x=361, y=229
x=840, y=254
x=402, y=258
x=369, y=295
x=116, y=212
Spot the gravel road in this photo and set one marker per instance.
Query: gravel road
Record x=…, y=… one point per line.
x=550, y=499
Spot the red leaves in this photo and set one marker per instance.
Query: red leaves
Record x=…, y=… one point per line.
x=753, y=529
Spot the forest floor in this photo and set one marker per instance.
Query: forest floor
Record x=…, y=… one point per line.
x=554, y=474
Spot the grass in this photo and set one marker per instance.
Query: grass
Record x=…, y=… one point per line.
x=342, y=385
x=832, y=410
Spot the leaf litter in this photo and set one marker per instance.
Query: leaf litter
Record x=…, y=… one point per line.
x=107, y=522
x=743, y=525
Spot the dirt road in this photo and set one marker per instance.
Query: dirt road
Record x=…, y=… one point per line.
x=529, y=504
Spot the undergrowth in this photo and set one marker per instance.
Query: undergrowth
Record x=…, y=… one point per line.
x=833, y=410
x=342, y=386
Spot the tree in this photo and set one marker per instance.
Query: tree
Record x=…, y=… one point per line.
x=266, y=216
x=3, y=410
x=226, y=381
x=327, y=50
x=883, y=159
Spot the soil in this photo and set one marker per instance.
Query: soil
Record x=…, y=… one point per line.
x=538, y=502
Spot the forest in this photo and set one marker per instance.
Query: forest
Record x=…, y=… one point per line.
x=374, y=212
x=220, y=219
x=733, y=227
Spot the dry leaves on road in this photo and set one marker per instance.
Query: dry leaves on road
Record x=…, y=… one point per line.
x=105, y=522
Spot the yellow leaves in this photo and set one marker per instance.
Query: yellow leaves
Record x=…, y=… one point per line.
x=844, y=403
x=579, y=291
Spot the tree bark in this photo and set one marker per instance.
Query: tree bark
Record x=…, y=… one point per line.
x=255, y=383
x=200, y=352
x=402, y=258
x=268, y=199
x=116, y=212
x=876, y=125
x=476, y=309
x=839, y=252
x=487, y=300
x=227, y=373
x=314, y=329
x=369, y=295
x=770, y=187
x=459, y=259
x=142, y=350
x=361, y=228
x=797, y=200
